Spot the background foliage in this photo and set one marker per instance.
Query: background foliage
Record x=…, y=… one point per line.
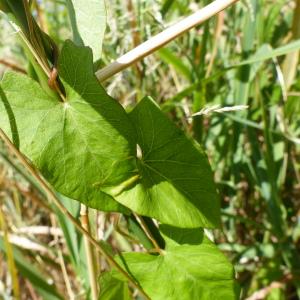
x=254, y=153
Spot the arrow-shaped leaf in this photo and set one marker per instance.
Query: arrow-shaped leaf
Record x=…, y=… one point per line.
x=176, y=183
x=187, y=269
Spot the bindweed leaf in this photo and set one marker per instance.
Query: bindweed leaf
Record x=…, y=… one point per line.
x=185, y=270
x=176, y=183
x=80, y=145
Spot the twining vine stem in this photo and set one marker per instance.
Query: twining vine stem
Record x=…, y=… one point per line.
x=163, y=38
x=51, y=195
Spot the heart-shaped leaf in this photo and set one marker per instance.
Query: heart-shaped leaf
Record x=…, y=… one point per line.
x=187, y=269
x=80, y=145
x=176, y=183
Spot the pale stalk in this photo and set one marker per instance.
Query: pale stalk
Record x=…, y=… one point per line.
x=163, y=38
x=217, y=35
x=148, y=233
x=51, y=195
x=90, y=255
x=12, y=66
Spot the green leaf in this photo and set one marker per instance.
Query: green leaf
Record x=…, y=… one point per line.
x=177, y=62
x=88, y=20
x=80, y=145
x=113, y=288
x=270, y=53
x=176, y=183
x=185, y=270
x=134, y=228
x=166, y=6
x=175, y=236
